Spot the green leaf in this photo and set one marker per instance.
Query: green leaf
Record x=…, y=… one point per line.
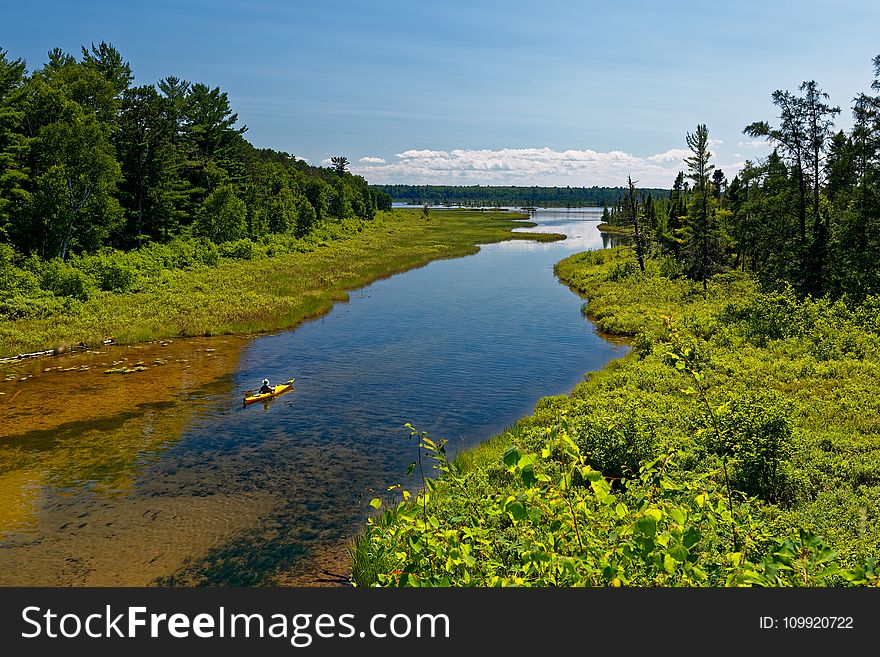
x=691, y=537
x=647, y=526
x=679, y=553
x=375, y=503
x=528, y=474
x=516, y=509
x=678, y=515
x=512, y=455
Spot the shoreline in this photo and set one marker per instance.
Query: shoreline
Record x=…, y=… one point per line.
x=231, y=299
x=625, y=231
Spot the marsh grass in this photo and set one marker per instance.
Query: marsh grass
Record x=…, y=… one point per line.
x=271, y=293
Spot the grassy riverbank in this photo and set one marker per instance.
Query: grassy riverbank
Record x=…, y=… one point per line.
x=611, y=229
x=273, y=292
x=739, y=443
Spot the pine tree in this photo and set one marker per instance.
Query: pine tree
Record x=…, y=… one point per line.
x=703, y=250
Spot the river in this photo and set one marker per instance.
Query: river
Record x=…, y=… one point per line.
x=163, y=477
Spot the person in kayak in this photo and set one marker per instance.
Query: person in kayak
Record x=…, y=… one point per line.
x=266, y=388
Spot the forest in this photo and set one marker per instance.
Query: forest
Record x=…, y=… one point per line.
x=738, y=442
x=807, y=217
x=500, y=195
x=99, y=176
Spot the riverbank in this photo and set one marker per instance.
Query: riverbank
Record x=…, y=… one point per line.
x=610, y=229
x=738, y=444
x=248, y=296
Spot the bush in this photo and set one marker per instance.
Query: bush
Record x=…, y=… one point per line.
x=757, y=435
x=182, y=253
x=622, y=270
x=616, y=445
x=657, y=528
x=19, y=307
x=113, y=271
x=222, y=217
x=65, y=280
x=14, y=280
x=243, y=249
x=772, y=316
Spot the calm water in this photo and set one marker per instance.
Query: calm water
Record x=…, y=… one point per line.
x=207, y=491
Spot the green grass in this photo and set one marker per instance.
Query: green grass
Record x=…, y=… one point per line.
x=611, y=229
x=792, y=387
x=268, y=294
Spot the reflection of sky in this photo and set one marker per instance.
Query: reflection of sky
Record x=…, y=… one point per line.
x=579, y=225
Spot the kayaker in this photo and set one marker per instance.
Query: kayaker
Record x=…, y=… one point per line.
x=266, y=388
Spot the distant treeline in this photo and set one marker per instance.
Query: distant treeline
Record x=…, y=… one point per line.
x=491, y=195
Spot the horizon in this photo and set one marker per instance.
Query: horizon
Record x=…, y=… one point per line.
x=434, y=95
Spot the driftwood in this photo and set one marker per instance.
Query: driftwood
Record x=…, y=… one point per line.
x=51, y=352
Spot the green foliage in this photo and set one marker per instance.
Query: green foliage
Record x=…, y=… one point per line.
x=616, y=444
x=13, y=279
x=112, y=271
x=559, y=522
x=89, y=162
x=222, y=217
x=734, y=450
x=757, y=435
x=64, y=280
x=243, y=249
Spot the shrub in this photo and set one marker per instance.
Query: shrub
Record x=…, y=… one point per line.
x=771, y=316
x=243, y=249
x=14, y=280
x=113, y=271
x=65, y=280
x=616, y=445
x=20, y=307
x=756, y=434
x=222, y=217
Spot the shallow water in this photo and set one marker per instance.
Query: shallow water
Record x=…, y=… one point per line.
x=162, y=476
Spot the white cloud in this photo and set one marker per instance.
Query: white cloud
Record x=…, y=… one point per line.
x=528, y=166
x=672, y=155
x=755, y=143
x=372, y=160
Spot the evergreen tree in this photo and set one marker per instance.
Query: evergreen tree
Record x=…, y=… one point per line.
x=146, y=150
x=13, y=142
x=703, y=251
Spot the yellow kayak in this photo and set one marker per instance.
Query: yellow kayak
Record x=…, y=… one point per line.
x=280, y=389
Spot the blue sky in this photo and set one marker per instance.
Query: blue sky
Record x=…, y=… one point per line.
x=550, y=92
